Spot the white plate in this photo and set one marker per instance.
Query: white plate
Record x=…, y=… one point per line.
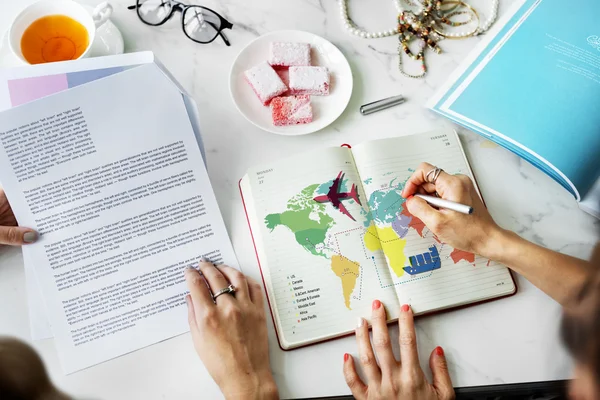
x=326, y=109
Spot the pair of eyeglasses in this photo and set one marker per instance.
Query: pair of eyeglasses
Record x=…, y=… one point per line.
x=200, y=24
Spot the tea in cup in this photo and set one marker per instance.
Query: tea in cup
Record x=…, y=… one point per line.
x=49, y=31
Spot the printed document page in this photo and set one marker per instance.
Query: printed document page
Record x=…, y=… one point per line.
x=111, y=175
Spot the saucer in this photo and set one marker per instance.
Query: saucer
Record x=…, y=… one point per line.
x=108, y=42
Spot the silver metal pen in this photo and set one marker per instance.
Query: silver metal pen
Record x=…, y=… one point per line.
x=381, y=104
x=447, y=204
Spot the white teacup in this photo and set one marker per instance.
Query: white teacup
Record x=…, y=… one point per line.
x=69, y=8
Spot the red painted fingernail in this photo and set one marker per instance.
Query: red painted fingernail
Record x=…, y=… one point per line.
x=405, y=308
x=409, y=197
x=346, y=357
x=376, y=304
x=439, y=351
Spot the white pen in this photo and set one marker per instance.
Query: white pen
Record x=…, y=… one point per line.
x=447, y=204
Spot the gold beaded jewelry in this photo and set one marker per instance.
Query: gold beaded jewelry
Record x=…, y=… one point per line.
x=471, y=11
x=423, y=26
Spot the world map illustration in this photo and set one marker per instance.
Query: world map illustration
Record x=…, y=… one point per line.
x=386, y=224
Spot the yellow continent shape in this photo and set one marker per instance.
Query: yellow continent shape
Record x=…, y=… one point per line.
x=387, y=240
x=348, y=271
x=372, y=238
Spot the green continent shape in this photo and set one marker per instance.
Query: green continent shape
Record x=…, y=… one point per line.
x=308, y=232
x=385, y=206
x=368, y=217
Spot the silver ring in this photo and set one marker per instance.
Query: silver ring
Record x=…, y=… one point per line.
x=228, y=290
x=436, y=173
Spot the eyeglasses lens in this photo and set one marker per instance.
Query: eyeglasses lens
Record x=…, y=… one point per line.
x=200, y=24
x=154, y=12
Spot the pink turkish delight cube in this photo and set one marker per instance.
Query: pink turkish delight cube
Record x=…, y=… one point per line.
x=285, y=54
x=292, y=110
x=265, y=82
x=309, y=80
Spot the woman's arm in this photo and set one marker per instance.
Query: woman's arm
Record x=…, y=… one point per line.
x=558, y=275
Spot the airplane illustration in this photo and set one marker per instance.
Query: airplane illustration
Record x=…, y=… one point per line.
x=335, y=197
x=424, y=262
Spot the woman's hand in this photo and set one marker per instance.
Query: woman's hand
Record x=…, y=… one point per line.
x=558, y=275
x=10, y=233
x=475, y=233
x=393, y=379
x=230, y=335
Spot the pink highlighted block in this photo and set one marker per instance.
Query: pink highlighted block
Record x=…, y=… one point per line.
x=25, y=90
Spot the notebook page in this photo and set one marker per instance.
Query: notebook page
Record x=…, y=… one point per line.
x=318, y=269
x=427, y=274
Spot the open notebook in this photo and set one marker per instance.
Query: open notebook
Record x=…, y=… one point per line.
x=332, y=234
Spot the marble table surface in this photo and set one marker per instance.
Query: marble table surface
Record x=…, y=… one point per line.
x=506, y=341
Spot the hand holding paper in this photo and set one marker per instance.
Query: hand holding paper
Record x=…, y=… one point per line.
x=10, y=233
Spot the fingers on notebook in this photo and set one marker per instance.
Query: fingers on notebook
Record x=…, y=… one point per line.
x=441, y=377
x=365, y=352
x=409, y=356
x=381, y=338
x=356, y=385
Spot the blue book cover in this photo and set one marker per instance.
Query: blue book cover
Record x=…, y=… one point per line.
x=533, y=86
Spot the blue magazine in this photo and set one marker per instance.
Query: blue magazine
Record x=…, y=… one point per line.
x=533, y=86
